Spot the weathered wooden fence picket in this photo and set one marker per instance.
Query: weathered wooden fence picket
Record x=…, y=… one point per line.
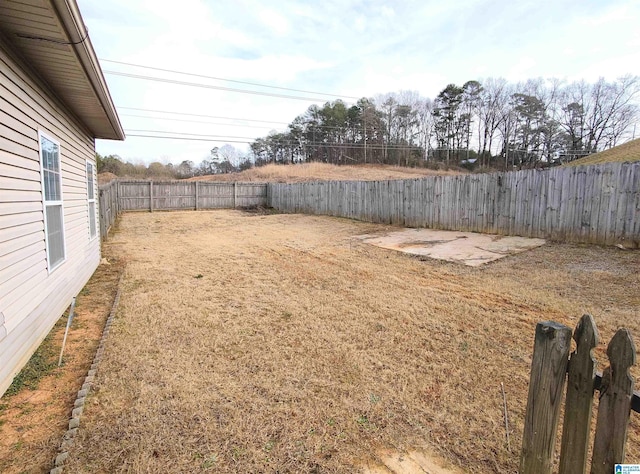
x=591, y=204
x=119, y=196
x=548, y=376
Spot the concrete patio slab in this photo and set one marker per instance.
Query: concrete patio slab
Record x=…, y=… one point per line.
x=469, y=248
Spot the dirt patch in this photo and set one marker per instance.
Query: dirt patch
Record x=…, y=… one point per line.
x=33, y=420
x=283, y=343
x=420, y=461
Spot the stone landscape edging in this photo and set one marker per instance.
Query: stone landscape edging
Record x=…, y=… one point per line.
x=78, y=406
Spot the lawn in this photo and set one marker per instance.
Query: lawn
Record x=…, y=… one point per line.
x=281, y=343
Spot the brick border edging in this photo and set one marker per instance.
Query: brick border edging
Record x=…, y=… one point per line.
x=78, y=406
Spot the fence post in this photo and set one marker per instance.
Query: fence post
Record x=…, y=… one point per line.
x=616, y=392
x=150, y=196
x=235, y=194
x=579, y=401
x=103, y=213
x=548, y=374
x=196, y=193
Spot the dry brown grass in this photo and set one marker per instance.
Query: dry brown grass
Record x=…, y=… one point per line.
x=629, y=151
x=104, y=178
x=323, y=171
x=280, y=343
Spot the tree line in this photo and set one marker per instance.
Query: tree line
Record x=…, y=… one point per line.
x=489, y=123
x=481, y=124
x=225, y=159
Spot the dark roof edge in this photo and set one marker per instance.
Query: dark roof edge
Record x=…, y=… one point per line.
x=69, y=15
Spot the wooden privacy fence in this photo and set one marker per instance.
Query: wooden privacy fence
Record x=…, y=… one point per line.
x=591, y=204
x=548, y=375
x=108, y=206
x=119, y=196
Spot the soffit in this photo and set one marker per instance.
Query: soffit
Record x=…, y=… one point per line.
x=42, y=32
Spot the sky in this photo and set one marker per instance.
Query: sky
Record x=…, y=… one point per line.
x=341, y=48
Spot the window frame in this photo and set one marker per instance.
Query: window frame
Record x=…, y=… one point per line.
x=91, y=181
x=51, y=203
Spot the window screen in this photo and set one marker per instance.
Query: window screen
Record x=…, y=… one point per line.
x=91, y=197
x=52, y=194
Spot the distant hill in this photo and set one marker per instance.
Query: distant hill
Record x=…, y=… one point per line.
x=306, y=172
x=104, y=178
x=629, y=151
x=323, y=171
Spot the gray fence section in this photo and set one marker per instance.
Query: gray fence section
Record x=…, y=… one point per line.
x=108, y=207
x=171, y=195
x=119, y=196
x=592, y=204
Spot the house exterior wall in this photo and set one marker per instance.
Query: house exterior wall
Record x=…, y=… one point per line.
x=32, y=298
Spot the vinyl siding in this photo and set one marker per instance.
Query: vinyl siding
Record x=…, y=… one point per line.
x=27, y=227
x=32, y=299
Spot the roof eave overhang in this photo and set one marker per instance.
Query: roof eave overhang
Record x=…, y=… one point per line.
x=71, y=20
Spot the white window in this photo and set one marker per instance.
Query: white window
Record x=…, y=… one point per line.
x=52, y=201
x=91, y=197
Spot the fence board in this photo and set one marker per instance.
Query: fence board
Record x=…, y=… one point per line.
x=552, y=215
x=626, y=214
x=615, y=404
x=593, y=204
x=608, y=229
x=579, y=400
x=635, y=208
x=548, y=373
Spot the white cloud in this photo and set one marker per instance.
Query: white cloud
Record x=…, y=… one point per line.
x=387, y=12
x=609, y=68
x=277, y=23
x=616, y=14
x=523, y=69
x=279, y=68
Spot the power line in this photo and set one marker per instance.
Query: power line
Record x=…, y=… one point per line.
x=370, y=147
x=185, y=133
x=188, y=138
x=209, y=86
x=200, y=115
x=194, y=121
x=357, y=146
x=328, y=127
x=226, y=140
x=228, y=80
x=235, y=139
